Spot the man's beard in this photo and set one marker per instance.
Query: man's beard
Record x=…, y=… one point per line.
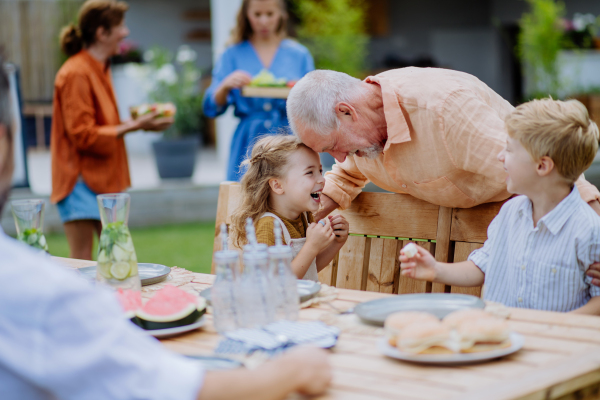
x=370, y=152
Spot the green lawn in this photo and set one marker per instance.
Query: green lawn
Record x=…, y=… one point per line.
x=187, y=246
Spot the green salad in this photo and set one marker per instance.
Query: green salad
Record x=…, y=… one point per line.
x=267, y=79
x=116, y=255
x=35, y=238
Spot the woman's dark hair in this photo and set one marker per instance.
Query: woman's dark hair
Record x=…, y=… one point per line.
x=93, y=14
x=243, y=29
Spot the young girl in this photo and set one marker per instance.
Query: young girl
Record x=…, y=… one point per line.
x=283, y=183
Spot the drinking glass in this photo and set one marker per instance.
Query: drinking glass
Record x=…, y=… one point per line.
x=29, y=220
x=117, y=261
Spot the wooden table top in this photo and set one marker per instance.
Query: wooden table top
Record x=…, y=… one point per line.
x=560, y=359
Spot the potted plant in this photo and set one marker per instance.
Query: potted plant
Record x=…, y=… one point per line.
x=176, y=80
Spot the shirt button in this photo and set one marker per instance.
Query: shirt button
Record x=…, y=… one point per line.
x=267, y=106
x=523, y=267
x=268, y=124
x=520, y=299
x=553, y=270
x=403, y=185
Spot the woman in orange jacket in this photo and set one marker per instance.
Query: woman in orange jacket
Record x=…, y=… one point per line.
x=87, y=146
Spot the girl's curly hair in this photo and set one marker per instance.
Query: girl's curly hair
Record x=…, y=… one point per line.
x=268, y=160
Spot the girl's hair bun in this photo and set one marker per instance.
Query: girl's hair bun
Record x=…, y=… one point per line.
x=70, y=40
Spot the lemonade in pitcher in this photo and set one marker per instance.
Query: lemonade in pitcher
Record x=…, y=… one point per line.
x=117, y=262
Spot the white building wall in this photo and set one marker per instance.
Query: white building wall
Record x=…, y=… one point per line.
x=223, y=15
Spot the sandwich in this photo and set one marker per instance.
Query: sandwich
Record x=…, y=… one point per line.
x=453, y=320
x=483, y=335
x=427, y=338
x=162, y=110
x=395, y=323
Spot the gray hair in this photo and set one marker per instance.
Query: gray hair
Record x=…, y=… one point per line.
x=313, y=98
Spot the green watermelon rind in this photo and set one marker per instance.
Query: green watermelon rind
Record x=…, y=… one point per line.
x=187, y=316
x=150, y=325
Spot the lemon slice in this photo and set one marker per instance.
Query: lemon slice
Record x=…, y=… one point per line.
x=120, y=270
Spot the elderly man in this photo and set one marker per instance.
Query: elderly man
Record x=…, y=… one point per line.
x=62, y=338
x=431, y=133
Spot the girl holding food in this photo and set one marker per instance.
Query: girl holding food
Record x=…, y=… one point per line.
x=87, y=146
x=259, y=48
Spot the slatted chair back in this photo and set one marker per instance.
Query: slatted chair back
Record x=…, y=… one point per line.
x=381, y=224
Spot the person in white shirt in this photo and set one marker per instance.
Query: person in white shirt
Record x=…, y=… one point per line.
x=62, y=338
x=541, y=244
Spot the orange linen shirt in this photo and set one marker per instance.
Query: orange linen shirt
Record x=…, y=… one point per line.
x=445, y=129
x=84, y=138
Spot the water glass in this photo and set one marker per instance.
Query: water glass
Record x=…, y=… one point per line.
x=29, y=221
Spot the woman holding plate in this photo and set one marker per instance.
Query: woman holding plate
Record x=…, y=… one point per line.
x=258, y=43
x=87, y=146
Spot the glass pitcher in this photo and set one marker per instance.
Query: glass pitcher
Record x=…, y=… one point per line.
x=117, y=262
x=29, y=221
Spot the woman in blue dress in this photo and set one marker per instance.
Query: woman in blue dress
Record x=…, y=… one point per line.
x=259, y=42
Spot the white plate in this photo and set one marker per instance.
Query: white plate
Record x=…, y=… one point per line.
x=165, y=333
x=439, y=304
x=451, y=359
x=150, y=273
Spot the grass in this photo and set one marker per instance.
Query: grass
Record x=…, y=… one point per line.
x=187, y=246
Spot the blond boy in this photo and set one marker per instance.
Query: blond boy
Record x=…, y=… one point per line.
x=541, y=244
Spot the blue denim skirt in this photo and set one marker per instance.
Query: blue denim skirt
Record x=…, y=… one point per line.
x=80, y=204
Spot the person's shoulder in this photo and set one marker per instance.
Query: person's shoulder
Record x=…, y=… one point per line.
x=265, y=223
x=426, y=88
x=513, y=205
x=32, y=274
x=75, y=66
x=294, y=46
x=236, y=48
x=585, y=219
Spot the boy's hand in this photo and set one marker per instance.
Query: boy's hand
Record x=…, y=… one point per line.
x=422, y=266
x=340, y=227
x=319, y=235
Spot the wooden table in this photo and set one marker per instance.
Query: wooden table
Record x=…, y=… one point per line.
x=560, y=359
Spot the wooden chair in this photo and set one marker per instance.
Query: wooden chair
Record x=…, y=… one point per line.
x=380, y=226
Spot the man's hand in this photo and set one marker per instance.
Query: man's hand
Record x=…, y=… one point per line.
x=327, y=206
x=594, y=273
x=313, y=369
x=422, y=266
x=340, y=227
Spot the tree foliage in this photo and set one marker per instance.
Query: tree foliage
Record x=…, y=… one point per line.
x=539, y=42
x=334, y=32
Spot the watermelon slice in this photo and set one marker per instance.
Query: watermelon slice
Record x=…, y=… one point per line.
x=131, y=301
x=171, y=307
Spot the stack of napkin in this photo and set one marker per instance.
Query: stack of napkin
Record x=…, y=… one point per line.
x=277, y=337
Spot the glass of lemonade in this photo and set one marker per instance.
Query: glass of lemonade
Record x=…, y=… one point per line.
x=29, y=221
x=117, y=262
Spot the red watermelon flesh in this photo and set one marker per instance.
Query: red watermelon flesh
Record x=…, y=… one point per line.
x=171, y=307
x=169, y=300
x=131, y=300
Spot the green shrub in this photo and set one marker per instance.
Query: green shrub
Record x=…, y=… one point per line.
x=539, y=42
x=334, y=32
